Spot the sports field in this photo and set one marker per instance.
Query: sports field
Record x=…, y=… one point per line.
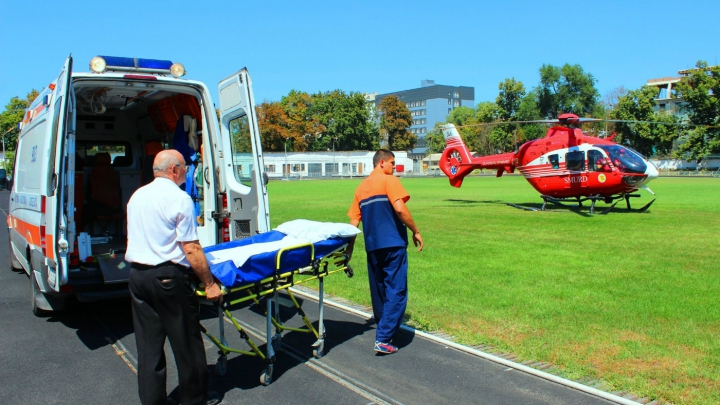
x=627, y=298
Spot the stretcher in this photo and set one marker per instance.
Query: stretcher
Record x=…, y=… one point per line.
x=269, y=263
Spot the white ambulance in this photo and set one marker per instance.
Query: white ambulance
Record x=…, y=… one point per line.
x=87, y=143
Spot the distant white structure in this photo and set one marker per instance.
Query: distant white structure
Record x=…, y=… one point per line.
x=295, y=165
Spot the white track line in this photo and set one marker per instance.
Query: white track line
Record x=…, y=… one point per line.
x=496, y=359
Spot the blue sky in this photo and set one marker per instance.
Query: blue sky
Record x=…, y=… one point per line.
x=369, y=46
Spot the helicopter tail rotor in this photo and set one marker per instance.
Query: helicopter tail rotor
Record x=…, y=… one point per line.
x=454, y=155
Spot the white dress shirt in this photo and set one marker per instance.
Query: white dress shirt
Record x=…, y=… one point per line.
x=159, y=216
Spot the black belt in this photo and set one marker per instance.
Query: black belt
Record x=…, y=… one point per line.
x=141, y=266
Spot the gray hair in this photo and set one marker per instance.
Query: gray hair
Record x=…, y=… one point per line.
x=166, y=162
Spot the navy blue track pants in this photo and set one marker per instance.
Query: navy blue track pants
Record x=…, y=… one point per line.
x=387, y=272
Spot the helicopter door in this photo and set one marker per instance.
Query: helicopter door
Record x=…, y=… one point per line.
x=575, y=170
x=243, y=166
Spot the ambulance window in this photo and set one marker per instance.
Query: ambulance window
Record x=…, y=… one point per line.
x=242, y=157
x=120, y=152
x=575, y=161
x=554, y=161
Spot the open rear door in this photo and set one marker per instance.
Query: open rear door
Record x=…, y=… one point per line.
x=59, y=214
x=242, y=161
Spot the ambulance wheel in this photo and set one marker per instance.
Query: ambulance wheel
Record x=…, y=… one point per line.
x=319, y=350
x=221, y=366
x=266, y=376
x=34, y=296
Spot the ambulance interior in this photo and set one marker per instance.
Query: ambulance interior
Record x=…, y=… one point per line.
x=119, y=130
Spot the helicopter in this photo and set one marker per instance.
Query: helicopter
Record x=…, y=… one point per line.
x=566, y=166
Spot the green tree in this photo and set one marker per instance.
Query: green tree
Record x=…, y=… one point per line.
x=701, y=91
x=347, y=120
x=302, y=119
x=566, y=89
x=395, y=119
x=530, y=111
x=12, y=116
x=643, y=136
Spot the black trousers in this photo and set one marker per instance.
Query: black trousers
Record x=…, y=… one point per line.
x=163, y=306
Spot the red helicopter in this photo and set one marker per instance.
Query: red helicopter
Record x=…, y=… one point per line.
x=564, y=166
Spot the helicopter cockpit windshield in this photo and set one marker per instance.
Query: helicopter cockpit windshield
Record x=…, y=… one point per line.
x=625, y=159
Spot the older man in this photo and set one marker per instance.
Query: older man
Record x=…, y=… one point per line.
x=163, y=247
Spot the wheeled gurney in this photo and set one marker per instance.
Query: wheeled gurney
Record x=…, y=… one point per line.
x=268, y=263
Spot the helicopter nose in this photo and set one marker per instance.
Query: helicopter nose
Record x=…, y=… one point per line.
x=651, y=171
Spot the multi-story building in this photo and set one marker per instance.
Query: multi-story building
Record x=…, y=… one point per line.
x=431, y=103
x=667, y=100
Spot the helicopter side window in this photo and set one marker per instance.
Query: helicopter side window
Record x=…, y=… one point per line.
x=597, y=161
x=554, y=161
x=575, y=161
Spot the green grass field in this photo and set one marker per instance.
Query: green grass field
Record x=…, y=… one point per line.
x=628, y=298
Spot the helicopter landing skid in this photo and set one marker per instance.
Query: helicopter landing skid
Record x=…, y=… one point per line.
x=593, y=199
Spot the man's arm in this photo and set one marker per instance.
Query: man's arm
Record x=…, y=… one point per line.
x=404, y=214
x=351, y=245
x=198, y=262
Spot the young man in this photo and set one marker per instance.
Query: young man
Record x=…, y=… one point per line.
x=380, y=205
x=163, y=248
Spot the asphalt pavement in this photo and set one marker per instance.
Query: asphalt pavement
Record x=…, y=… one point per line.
x=87, y=355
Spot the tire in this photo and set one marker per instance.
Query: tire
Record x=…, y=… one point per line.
x=266, y=376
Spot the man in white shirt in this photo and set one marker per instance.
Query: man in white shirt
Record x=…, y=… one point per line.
x=163, y=247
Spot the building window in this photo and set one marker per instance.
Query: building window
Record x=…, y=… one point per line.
x=298, y=167
x=270, y=168
x=456, y=94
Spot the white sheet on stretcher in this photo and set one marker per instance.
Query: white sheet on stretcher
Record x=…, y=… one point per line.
x=240, y=254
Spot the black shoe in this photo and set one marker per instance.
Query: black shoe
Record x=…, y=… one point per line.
x=171, y=401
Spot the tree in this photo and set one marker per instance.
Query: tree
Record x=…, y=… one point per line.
x=303, y=122
x=395, y=119
x=566, y=89
x=12, y=116
x=643, y=136
x=701, y=91
x=529, y=111
x=347, y=119
x=273, y=124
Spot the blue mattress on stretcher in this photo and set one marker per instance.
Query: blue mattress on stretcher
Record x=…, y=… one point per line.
x=258, y=266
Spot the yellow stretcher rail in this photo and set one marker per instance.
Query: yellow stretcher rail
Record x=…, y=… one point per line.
x=269, y=287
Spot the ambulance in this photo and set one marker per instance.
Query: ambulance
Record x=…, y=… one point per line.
x=88, y=142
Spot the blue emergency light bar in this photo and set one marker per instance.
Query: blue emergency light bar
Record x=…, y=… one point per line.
x=100, y=64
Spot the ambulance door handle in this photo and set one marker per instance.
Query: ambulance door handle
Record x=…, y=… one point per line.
x=206, y=173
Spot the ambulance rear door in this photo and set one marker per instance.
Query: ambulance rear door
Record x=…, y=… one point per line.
x=59, y=206
x=245, y=192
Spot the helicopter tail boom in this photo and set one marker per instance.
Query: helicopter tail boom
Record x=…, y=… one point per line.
x=457, y=162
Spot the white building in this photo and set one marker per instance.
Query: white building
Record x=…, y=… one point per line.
x=296, y=165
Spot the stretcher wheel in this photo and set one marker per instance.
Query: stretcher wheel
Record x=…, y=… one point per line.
x=221, y=366
x=319, y=350
x=266, y=376
x=349, y=272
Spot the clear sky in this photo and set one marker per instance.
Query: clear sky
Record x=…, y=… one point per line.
x=365, y=46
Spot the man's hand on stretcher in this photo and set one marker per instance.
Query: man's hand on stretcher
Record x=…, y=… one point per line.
x=198, y=262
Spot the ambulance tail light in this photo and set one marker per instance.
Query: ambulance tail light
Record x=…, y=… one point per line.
x=43, y=242
x=43, y=239
x=225, y=220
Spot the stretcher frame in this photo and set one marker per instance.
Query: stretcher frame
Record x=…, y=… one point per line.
x=333, y=262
